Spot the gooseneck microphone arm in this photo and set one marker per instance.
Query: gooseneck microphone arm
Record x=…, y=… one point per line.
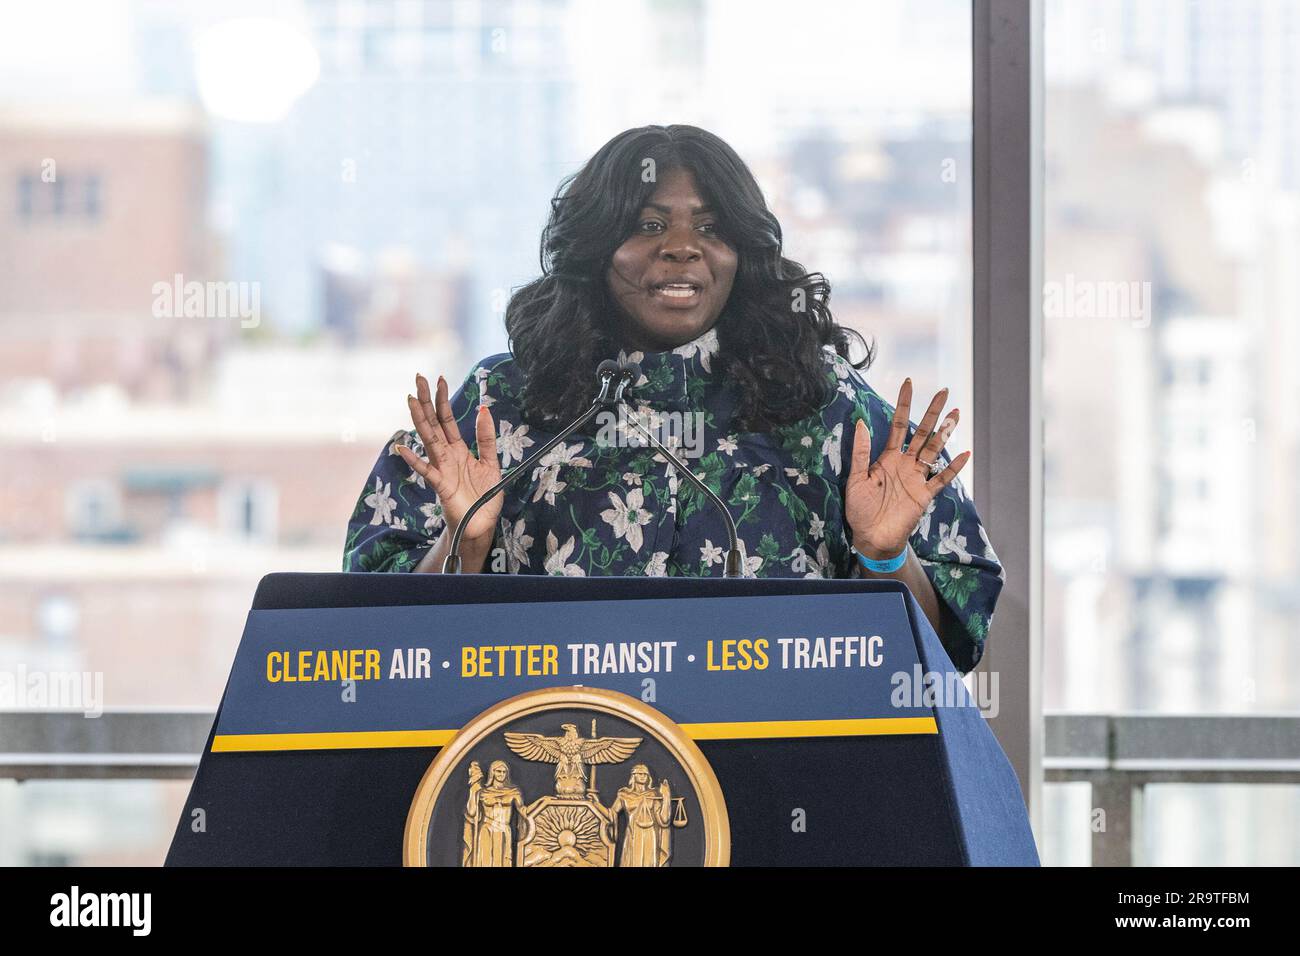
x=608, y=371
x=732, y=568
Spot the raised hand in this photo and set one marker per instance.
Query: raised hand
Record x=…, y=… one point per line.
x=885, y=499
x=451, y=469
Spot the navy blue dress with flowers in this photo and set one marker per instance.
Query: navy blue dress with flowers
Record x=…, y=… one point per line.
x=593, y=506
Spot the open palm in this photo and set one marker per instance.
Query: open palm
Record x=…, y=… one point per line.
x=885, y=499
x=455, y=474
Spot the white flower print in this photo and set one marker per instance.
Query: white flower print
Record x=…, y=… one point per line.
x=817, y=564
x=381, y=500
x=516, y=544
x=511, y=442
x=727, y=445
x=838, y=362
x=800, y=476
x=950, y=542
x=806, y=441
x=557, y=558
x=991, y=555
x=633, y=357
x=547, y=472
x=816, y=527
x=627, y=517
x=988, y=547
x=710, y=554
x=407, y=439
x=657, y=566
x=548, y=484
x=831, y=448
x=565, y=454
x=433, y=518
x=632, y=478
x=413, y=443
x=480, y=376
x=672, y=489
x=706, y=346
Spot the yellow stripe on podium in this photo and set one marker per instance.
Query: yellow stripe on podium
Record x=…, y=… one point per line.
x=773, y=729
x=738, y=730
x=356, y=740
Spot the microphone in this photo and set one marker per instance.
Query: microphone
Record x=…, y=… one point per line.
x=606, y=372
x=629, y=373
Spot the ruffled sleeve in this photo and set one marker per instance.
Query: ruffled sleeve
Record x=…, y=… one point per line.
x=950, y=540
x=397, y=517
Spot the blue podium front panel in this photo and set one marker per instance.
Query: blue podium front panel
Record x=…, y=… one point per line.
x=800, y=694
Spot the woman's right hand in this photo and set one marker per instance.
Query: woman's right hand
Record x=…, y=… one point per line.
x=451, y=469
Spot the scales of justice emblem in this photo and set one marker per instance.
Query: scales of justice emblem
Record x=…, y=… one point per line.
x=488, y=799
x=570, y=828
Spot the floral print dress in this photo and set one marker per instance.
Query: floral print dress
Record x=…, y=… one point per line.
x=594, y=505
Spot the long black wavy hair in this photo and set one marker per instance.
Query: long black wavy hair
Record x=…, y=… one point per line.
x=770, y=334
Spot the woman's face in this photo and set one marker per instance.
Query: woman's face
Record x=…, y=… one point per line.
x=673, y=275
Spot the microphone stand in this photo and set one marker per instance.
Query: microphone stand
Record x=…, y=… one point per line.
x=607, y=370
x=731, y=569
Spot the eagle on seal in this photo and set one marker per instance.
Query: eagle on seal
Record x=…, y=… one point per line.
x=570, y=754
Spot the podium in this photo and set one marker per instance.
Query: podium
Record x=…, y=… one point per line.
x=346, y=687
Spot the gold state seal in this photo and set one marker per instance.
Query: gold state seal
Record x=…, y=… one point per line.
x=572, y=776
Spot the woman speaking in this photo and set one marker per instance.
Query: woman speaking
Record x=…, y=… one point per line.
x=662, y=251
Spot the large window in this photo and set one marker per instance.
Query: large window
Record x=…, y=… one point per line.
x=1170, y=376
x=355, y=187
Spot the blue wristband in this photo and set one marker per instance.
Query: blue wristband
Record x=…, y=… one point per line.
x=888, y=566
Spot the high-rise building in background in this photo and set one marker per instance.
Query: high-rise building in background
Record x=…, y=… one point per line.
x=420, y=111
x=1165, y=430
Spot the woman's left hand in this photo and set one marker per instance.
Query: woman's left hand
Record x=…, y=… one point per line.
x=885, y=499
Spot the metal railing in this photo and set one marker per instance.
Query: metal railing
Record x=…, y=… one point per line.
x=1118, y=755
